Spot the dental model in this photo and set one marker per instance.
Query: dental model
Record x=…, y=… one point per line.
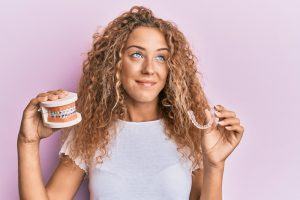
x=60, y=113
x=206, y=126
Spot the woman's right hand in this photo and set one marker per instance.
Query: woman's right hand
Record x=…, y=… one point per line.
x=32, y=128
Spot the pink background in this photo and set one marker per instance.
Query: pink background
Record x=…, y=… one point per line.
x=248, y=52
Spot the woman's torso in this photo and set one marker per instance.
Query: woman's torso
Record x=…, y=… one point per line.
x=142, y=163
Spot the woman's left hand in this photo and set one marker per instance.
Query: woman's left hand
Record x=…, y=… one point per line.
x=219, y=141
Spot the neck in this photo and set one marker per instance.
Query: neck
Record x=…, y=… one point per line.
x=142, y=111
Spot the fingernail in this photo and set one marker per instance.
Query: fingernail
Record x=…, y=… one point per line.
x=228, y=127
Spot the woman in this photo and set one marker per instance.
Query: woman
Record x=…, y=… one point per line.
x=139, y=82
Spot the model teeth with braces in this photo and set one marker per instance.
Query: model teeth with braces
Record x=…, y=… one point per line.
x=63, y=113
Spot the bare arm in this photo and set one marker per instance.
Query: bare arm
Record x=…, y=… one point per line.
x=197, y=184
x=66, y=178
x=29, y=171
x=207, y=184
x=63, y=183
x=212, y=183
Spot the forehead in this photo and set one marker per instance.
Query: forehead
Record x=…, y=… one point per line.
x=148, y=37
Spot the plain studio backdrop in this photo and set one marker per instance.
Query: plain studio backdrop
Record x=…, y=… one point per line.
x=248, y=53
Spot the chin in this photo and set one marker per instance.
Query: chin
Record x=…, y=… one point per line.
x=143, y=98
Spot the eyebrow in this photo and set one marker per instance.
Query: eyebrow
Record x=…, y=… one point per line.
x=142, y=48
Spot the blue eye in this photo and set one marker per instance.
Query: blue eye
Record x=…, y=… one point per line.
x=139, y=55
x=136, y=53
x=162, y=57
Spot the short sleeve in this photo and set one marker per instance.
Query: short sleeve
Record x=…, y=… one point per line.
x=65, y=150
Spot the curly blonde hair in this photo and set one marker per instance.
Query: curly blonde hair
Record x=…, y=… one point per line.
x=101, y=95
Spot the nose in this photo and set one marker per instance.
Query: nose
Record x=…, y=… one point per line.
x=148, y=66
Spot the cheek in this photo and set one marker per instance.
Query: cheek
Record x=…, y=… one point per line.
x=129, y=67
x=164, y=73
x=128, y=73
x=132, y=70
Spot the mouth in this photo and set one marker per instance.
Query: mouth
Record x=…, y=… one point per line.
x=146, y=83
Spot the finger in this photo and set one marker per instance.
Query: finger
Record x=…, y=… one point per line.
x=238, y=131
x=207, y=115
x=219, y=107
x=229, y=121
x=236, y=128
x=225, y=114
x=34, y=103
x=59, y=91
x=54, y=94
x=42, y=94
x=209, y=119
x=59, y=94
x=52, y=97
x=63, y=93
x=51, y=91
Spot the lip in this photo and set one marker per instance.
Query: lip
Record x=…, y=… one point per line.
x=146, y=83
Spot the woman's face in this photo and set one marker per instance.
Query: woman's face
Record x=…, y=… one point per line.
x=144, y=60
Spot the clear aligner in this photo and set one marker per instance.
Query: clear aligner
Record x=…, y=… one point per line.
x=199, y=126
x=63, y=113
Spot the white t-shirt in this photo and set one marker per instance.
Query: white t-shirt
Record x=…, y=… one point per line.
x=143, y=164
